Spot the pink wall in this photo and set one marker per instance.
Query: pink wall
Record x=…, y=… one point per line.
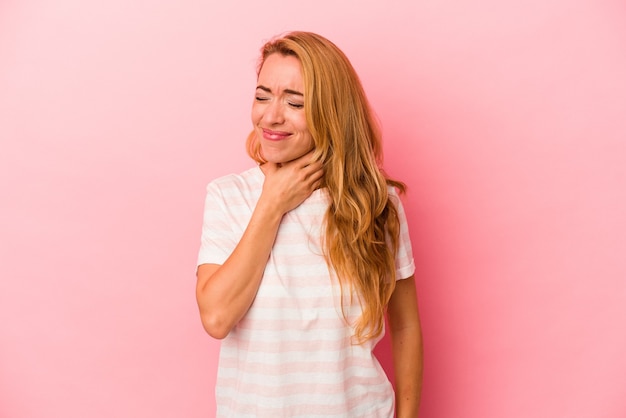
x=506, y=119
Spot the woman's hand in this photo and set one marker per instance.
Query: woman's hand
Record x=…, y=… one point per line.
x=225, y=292
x=287, y=185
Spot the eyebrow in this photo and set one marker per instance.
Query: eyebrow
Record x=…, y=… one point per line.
x=288, y=91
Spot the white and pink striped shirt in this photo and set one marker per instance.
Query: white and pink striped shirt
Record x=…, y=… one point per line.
x=292, y=354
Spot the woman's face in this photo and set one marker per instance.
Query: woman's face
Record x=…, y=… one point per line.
x=278, y=112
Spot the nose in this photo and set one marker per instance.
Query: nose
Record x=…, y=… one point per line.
x=273, y=114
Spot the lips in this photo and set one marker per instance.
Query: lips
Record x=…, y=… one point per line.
x=275, y=135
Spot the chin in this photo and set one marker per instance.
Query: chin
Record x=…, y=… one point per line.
x=275, y=157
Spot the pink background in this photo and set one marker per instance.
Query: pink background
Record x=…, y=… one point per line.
x=507, y=121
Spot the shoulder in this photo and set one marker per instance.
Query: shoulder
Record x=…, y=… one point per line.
x=246, y=180
x=394, y=194
x=392, y=190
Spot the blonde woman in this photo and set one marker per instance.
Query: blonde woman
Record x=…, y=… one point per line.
x=304, y=254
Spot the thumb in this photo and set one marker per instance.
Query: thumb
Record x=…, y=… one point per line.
x=269, y=168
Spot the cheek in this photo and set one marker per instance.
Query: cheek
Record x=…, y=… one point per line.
x=311, y=142
x=255, y=114
x=301, y=124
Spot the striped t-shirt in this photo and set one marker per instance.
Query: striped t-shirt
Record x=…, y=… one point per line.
x=292, y=354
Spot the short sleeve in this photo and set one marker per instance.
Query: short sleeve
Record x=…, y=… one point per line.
x=218, y=238
x=405, y=265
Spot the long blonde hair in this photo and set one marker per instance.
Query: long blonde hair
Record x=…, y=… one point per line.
x=361, y=224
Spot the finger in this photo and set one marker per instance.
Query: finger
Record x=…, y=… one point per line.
x=305, y=159
x=316, y=172
x=317, y=184
x=313, y=167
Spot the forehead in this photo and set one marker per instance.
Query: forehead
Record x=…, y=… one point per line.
x=281, y=71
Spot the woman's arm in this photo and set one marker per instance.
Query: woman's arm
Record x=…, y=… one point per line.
x=225, y=292
x=406, y=340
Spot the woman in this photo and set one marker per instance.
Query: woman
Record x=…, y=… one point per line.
x=302, y=255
